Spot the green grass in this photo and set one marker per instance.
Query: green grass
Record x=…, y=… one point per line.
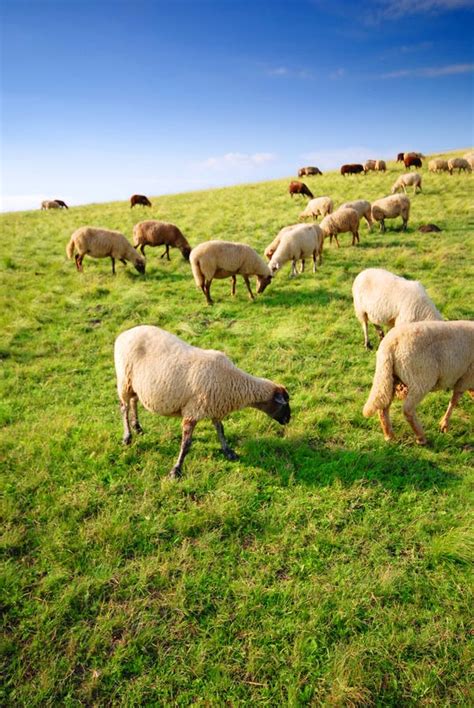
x=325, y=567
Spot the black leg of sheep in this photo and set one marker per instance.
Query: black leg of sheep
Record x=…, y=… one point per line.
x=225, y=447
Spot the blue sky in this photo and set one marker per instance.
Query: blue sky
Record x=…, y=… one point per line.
x=102, y=99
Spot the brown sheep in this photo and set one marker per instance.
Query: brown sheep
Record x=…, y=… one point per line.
x=352, y=169
x=412, y=161
x=299, y=188
x=159, y=233
x=139, y=199
x=309, y=171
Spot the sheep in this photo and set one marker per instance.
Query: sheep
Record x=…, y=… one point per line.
x=224, y=259
x=419, y=155
x=160, y=233
x=318, y=207
x=383, y=298
x=438, y=165
x=352, y=169
x=470, y=160
x=272, y=247
x=412, y=161
x=416, y=358
x=362, y=207
x=299, y=188
x=309, y=171
x=139, y=199
x=50, y=204
x=429, y=228
x=370, y=165
x=458, y=163
x=400, y=156
x=173, y=378
x=102, y=243
x=62, y=205
x=299, y=242
x=342, y=220
x=380, y=165
x=406, y=180
x=390, y=208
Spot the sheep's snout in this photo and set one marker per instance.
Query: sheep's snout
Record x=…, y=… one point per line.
x=263, y=282
x=140, y=267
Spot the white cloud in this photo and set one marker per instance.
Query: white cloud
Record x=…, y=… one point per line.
x=237, y=160
x=430, y=72
x=400, y=8
x=19, y=202
x=329, y=159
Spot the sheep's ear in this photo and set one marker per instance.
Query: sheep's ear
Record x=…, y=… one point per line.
x=280, y=398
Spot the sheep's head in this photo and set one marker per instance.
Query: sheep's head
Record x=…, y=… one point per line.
x=140, y=264
x=186, y=251
x=262, y=282
x=278, y=406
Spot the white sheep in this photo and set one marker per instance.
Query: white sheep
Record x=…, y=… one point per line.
x=370, y=165
x=301, y=242
x=102, y=243
x=383, y=298
x=50, y=204
x=416, y=358
x=438, y=165
x=407, y=180
x=225, y=259
x=272, y=247
x=341, y=221
x=362, y=207
x=380, y=166
x=458, y=163
x=390, y=208
x=318, y=207
x=172, y=378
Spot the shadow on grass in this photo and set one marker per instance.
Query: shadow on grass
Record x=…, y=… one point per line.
x=314, y=295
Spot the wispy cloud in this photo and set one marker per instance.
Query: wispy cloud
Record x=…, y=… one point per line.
x=429, y=72
x=237, y=160
x=400, y=8
x=289, y=73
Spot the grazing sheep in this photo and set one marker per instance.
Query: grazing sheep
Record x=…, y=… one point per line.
x=410, y=161
x=380, y=166
x=139, y=199
x=62, y=205
x=370, y=165
x=383, y=298
x=400, y=156
x=50, y=204
x=102, y=243
x=224, y=259
x=318, y=207
x=458, y=163
x=469, y=156
x=428, y=228
x=419, y=155
x=438, y=165
x=407, y=180
x=160, y=233
x=299, y=188
x=173, y=378
x=309, y=171
x=342, y=220
x=352, y=169
x=362, y=207
x=390, y=208
x=416, y=358
x=298, y=243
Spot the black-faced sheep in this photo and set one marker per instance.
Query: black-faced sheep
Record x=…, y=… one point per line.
x=62, y=205
x=299, y=188
x=102, y=243
x=139, y=199
x=50, y=204
x=172, y=378
x=160, y=233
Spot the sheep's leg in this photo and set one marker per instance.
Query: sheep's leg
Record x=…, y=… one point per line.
x=380, y=331
x=444, y=422
x=113, y=264
x=78, y=260
x=226, y=449
x=234, y=283
x=382, y=226
x=127, y=433
x=187, y=425
x=293, y=273
x=405, y=223
x=247, y=283
x=134, y=415
x=166, y=253
x=365, y=329
x=206, y=288
x=122, y=260
x=314, y=261
x=409, y=406
x=302, y=266
x=142, y=249
x=386, y=423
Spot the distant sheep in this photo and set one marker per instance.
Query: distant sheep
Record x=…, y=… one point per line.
x=469, y=156
x=438, y=165
x=410, y=161
x=299, y=243
x=362, y=207
x=429, y=228
x=390, y=208
x=419, y=155
x=417, y=358
x=400, y=156
x=341, y=221
x=370, y=165
x=458, y=163
x=309, y=171
x=352, y=169
x=62, y=205
x=160, y=233
x=139, y=199
x=225, y=259
x=173, y=378
x=318, y=207
x=50, y=204
x=383, y=298
x=102, y=243
x=380, y=166
x=299, y=188
x=407, y=180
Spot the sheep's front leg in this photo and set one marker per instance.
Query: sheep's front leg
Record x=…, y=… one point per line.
x=247, y=283
x=444, y=423
x=314, y=261
x=302, y=266
x=142, y=249
x=113, y=264
x=293, y=273
x=379, y=331
x=206, y=288
x=226, y=449
x=187, y=425
x=166, y=253
x=233, y=286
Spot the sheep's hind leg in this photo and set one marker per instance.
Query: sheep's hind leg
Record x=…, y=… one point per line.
x=206, y=288
x=113, y=264
x=444, y=422
x=409, y=412
x=386, y=423
x=187, y=425
x=233, y=286
x=247, y=283
x=134, y=415
x=365, y=329
x=380, y=331
x=226, y=449
x=78, y=260
x=127, y=433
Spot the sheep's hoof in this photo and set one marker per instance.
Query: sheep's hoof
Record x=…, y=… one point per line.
x=175, y=473
x=388, y=438
x=230, y=455
x=138, y=428
x=444, y=427
x=368, y=345
x=421, y=441
x=127, y=439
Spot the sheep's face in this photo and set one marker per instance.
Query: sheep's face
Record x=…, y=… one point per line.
x=186, y=251
x=262, y=282
x=278, y=407
x=140, y=265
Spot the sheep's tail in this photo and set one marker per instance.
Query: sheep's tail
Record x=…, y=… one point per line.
x=381, y=394
x=197, y=272
x=70, y=248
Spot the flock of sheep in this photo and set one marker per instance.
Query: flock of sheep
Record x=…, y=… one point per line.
x=421, y=353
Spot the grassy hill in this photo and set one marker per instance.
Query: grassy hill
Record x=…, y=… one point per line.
x=324, y=567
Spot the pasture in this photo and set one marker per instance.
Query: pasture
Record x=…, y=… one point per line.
x=325, y=567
